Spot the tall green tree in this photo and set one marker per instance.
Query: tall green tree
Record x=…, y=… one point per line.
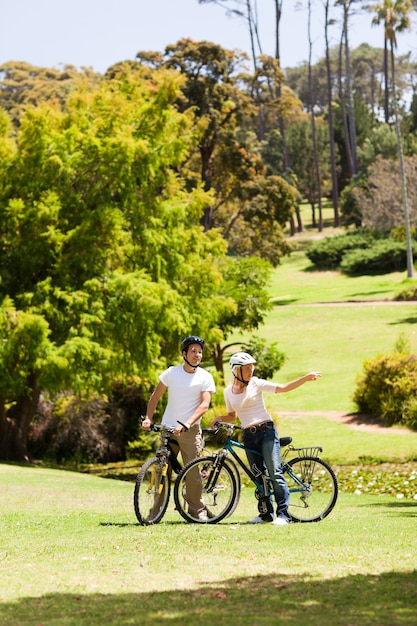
x=103, y=260
x=395, y=15
x=226, y=160
x=24, y=84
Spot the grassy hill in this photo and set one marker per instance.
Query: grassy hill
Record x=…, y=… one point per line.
x=333, y=323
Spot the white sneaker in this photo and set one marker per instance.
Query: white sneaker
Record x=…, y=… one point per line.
x=202, y=516
x=280, y=521
x=258, y=520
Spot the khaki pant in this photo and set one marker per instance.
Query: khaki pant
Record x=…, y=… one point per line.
x=191, y=443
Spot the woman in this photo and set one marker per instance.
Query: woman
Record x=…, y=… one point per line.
x=243, y=398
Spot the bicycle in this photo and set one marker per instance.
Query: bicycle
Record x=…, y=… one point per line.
x=153, y=483
x=312, y=482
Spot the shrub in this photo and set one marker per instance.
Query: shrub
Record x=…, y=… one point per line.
x=383, y=257
x=407, y=294
x=387, y=389
x=268, y=358
x=328, y=253
x=96, y=430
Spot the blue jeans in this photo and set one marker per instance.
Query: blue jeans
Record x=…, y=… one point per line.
x=267, y=443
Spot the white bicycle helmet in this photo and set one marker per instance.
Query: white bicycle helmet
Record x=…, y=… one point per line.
x=240, y=358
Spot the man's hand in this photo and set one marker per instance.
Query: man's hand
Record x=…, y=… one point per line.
x=146, y=423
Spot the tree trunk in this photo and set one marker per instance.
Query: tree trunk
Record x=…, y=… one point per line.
x=404, y=191
x=349, y=92
x=14, y=424
x=335, y=192
x=313, y=124
x=343, y=112
x=386, y=83
x=218, y=359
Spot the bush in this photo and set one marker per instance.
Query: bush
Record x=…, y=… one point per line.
x=93, y=431
x=328, y=253
x=408, y=294
x=268, y=358
x=387, y=389
x=383, y=257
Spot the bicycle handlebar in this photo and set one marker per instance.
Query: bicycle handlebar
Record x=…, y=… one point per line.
x=228, y=426
x=158, y=427
x=170, y=429
x=206, y=431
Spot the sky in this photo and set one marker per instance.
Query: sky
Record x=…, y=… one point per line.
x=99, y=33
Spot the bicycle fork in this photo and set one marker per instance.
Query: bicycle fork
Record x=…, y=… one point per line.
x=158, y=474
x=211, y=485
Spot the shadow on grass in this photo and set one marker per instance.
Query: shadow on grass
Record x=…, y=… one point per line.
x=405, y=320
x=411, y=508
x=277, y=301
x=387, y=599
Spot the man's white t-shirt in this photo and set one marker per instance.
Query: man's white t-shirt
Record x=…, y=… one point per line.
x=249, y=405
x=184, y=392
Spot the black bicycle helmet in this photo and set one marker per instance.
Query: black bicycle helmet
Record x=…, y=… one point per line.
x=189, y=340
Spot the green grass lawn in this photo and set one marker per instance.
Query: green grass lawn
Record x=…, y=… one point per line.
x=72, y=554
x=296, y=281
x=329, y=322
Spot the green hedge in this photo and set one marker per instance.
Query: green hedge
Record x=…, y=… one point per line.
x=328, y=253
x=383, y=257
x=360, y=252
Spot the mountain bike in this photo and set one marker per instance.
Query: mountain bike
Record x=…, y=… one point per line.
x=153, y=482
x=312, y=482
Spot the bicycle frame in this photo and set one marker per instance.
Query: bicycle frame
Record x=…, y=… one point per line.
x=165, y=455
x=264, y=486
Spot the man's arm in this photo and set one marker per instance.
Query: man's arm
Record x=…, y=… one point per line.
x=157, y=394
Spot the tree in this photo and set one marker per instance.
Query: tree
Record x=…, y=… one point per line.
x=23, y=85
x=301, y=150
x=104, y=263
x=246, y=282
x=333, y=168
x=209, y=88
x=227, y=160
x=395, y=14
x=377, y=197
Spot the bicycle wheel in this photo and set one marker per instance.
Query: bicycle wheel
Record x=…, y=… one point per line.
x=313, y=489
x=220, y=492
x=152, y=491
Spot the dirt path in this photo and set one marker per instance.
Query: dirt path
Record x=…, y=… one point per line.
x=353, y=420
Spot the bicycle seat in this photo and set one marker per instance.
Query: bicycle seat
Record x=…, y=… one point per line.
x=285, y=441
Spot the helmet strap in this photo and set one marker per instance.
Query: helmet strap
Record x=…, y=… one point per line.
x=242, y=380
x=194, y=367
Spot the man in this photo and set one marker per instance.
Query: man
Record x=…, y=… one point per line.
x=189, y=393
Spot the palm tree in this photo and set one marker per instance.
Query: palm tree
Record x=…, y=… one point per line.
x=395, y=14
